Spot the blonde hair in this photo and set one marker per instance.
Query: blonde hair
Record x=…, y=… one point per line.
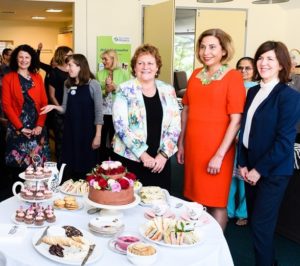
x=113, y=55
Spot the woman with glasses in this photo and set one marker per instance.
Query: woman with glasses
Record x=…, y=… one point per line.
x=236, y=207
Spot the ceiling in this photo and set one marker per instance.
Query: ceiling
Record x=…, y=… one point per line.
x=23, y=10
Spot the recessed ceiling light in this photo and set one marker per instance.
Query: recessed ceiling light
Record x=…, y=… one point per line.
x=52, y=10
x=38, y=17
x=213, y=1
x=269, y=1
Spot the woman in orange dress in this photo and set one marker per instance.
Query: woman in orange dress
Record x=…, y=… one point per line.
x=210, y=120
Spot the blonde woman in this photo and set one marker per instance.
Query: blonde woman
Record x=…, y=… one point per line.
x=109, y=77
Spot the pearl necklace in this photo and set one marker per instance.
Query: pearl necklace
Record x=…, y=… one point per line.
x=207, y=79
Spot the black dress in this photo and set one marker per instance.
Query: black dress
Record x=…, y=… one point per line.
x=79, y=132
x=154, y=113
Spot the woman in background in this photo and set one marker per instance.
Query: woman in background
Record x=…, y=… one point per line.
x=22, y=97
x=56, y=80
x=109, y=77
x=82, y=106
x=213, y=104
x=237, y=207
x=266, y=145
x=147, y=121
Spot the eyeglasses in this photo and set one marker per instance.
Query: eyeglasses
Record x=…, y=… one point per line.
x=247, y=68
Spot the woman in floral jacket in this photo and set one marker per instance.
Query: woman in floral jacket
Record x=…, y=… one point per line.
x=146, y=120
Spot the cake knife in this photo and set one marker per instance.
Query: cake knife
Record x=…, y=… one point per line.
x=91, y=249
x=41, y=237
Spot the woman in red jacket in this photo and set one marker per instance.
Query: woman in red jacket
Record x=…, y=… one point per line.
x=23, y=96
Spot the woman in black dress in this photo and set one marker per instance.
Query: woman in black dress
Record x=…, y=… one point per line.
x=82, y=106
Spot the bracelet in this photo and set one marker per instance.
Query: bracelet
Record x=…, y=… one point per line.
x=163, y=154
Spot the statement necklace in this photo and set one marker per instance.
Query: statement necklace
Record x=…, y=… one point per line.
x=207, y=79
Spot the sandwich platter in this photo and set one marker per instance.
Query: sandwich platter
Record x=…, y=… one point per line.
x=175, y=233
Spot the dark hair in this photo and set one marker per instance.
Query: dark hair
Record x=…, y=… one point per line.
x=34, y=64
x=225, y=42
x=84, y=74
x=146, y=49
x=251, y=60
x=60, y=53
x=282, y=55
x=5, y=51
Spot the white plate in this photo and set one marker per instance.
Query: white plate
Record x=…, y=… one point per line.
x=167, y=199
x=71, y=194
x=136, y=201
x=33, y=200
x=13, y=218
x=112, y=244
x=162, y=243
x=22, y=176
x=44, y=249
x=80, y=206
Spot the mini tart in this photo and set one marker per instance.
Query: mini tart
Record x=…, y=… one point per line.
x=28, y=195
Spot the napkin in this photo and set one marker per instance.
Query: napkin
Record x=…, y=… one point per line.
x=15, y=237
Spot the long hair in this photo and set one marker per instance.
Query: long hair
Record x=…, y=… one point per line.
x=84, y=74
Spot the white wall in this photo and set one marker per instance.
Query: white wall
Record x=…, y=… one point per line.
x=120, y=17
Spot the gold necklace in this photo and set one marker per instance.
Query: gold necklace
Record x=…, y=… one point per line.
x=207, y=79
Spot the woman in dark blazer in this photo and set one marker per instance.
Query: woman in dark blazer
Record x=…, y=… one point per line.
x=266, y=144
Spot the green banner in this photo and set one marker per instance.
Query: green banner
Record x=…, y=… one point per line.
x=120, y=44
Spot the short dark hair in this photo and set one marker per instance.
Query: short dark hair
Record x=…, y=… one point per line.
x=5, y=51
x=146, y=49
x=35, y=63
x=84, y=74
x=282, y=55
x=225, y=42
x=251, y=60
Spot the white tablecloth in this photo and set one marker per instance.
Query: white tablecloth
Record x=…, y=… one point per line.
x=213, y=250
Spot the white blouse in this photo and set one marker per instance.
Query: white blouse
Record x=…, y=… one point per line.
x=262, y=94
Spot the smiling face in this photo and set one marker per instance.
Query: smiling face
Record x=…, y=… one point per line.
x=145, y=68
x=246, y=68
x=73, y=69
x=107, y=61
x=211, y=52
x=24, y=60
x=268, y=66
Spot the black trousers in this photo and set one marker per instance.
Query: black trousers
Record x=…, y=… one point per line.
x=263, y=204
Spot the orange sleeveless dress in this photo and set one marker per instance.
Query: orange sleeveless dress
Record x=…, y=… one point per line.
x=209, y=109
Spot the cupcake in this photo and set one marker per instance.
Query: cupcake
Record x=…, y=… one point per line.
x=47, y=172
x=39, y=219
x=38, y=174
x=39, y=195
x=28, y=195
x=50, y=217
x=30, y=211
x=20, y=215
x=28, y=219
x=48, y=194
x=48, y=209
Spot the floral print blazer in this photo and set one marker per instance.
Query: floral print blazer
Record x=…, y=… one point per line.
x=129, y=118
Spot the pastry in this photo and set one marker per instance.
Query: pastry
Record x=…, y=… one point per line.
x=62, y=241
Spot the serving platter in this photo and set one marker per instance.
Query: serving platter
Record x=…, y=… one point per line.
x=199, y=232
x=78, y=257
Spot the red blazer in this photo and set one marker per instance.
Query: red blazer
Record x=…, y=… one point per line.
x=12, y=98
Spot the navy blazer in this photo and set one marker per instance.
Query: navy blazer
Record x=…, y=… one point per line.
x=273, y=131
